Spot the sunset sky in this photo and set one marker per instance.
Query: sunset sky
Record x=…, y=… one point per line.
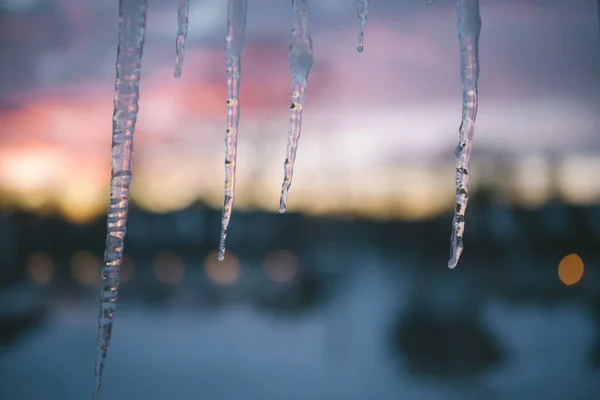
x=379, y=129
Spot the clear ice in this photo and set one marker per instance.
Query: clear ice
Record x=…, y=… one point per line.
x=132, y=27
x=301, y=61
x=183, y=10
x=428, y=2
x=234, y=45
x=363, y=11
x=469, y=28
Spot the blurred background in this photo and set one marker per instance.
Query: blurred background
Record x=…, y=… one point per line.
x=346, y=296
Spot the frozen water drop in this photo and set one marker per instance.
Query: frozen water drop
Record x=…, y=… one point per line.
x=183, y=10
x=301, y=61
x=428, y=2
x=234, y=45
x=363, y=11
x=469, y=28
x=132, y=28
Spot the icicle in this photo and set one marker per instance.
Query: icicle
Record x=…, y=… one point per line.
x=132, y=27
x=363, y=11
x=428, y=2
x=183, y=11
x=234, y=45
x=301, y=61
x=469, y=27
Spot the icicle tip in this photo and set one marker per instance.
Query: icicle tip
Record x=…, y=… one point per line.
x=282, y=204
x=222, y=248
x=456, y=251
x=284, y=196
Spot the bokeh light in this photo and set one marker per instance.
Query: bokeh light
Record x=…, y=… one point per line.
x=570, y=269
x=127, y=269
x=86, y=268
x=222, y=272
x=169, y=268
x=40, y=268
x=281, y=266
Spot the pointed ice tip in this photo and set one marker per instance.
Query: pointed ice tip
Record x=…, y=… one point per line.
x=283, y=202
x=454, y=257
x=221, y=255
x=177, y=73
x=360, y=48
x=96, y=392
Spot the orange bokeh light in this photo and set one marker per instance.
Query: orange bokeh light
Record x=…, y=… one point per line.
x=570, y=269
x=169, y=268
x=222, y=272
x=127, y=269
x=86, y=268
x=281, y=266
x=40, y=268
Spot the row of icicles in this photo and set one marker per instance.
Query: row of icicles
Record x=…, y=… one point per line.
x=132, y=27
x=301, y=61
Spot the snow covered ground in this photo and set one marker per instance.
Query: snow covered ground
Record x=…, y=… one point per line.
x=338, y=351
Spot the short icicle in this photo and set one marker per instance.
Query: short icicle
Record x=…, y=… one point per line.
x=363, y=11
x=428, y=2
x=132, y=27
x=234, y=45
x=301, y=61
x=183, y=10
x=469, y=28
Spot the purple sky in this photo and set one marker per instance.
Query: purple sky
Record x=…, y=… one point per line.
x=397, y=101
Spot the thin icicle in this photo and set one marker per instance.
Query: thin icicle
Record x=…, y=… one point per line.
x=301, y=61
x=428, y=2
x=363, y=11
x=469, y=28
x=234, y=45
x=183, y=10
x=132, y=27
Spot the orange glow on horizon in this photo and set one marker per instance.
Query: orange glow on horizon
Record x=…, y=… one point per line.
x=55, y=150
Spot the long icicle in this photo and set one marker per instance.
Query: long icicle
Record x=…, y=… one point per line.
x=132, y=28
x=469, y=28
x=234, y=45
x=363, y=12
x=183, y=10
x=301, y=61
